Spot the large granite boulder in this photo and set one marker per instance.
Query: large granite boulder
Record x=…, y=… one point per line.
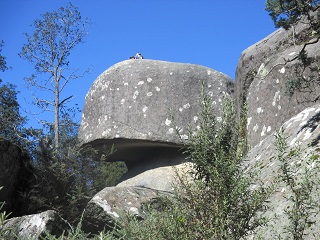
x=261, y=77
x=15, y=175
x=130, y=106
x=105, y=209
x=34, y=226
x=302, y=132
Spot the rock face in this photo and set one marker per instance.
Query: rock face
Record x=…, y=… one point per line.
x=14, y=174
x=302, y=130
x=261, y=77
x=35, y=226
x=105, y=208
x=129, y=105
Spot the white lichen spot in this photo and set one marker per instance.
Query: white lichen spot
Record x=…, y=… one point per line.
x=134, y=210
x=283, y=190
x=115, y=126
x=122, y=101
x=307, y=135
x=118, y=89
x=140, y=83
x=209, y=72
x=102, y=97
x=171, y=73
x=219, y=119
x=167, y=122
x=184, y=137
x=263, y=132
x=157, y=89
x=210, y=93
x=144, y=115
x=195, y=118
x=276, y=98
x=209, y=85
x=269, y=129
x=261, y=68
x=293, y=141
x=149, y=79
x=279, y=107
x=171, y=130
x=277, y=80
x=255, y=128
x=186, y=106
x=126, y=84
x=219, y=100
x=117, y=136
x=282, y=70
x=214, y=103
x=180, y=109
x=129, y=107
x=198, y=127
x=149, y=94
x=257, y=98
x=259, y=110
x=248, y=122
x=290, y=54
x=144, y=109
x=135, y=94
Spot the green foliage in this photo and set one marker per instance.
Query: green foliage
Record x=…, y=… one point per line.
x=222, y=200
x=3, y=63
x=300, y=177
x=3, y=217
x=109, y=174
x=10, y=118
x=286, y=13
x=64, y=181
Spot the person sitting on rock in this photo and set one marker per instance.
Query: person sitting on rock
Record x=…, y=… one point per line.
x=138, y=56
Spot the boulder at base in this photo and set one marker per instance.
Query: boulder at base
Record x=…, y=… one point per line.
x=35, y=226
x=104, y=210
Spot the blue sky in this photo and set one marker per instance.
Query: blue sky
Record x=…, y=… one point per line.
x=206, y=32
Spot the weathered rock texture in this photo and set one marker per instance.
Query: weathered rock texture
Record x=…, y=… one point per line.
x=15, y=175
x=261, y=77
x=105, y=208
x=302, y=131
x=129, y=105
x=35, y=226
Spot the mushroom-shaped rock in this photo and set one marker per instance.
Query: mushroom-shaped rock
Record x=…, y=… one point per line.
x=131, y=106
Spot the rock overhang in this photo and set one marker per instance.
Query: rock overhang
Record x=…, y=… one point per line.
x=132, y=105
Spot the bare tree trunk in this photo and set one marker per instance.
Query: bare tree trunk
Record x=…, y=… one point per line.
x=56, y=114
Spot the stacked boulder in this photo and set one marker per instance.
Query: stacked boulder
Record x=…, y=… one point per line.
x=143, y=109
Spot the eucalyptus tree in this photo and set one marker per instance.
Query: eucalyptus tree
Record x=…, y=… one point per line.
x=48, y=49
